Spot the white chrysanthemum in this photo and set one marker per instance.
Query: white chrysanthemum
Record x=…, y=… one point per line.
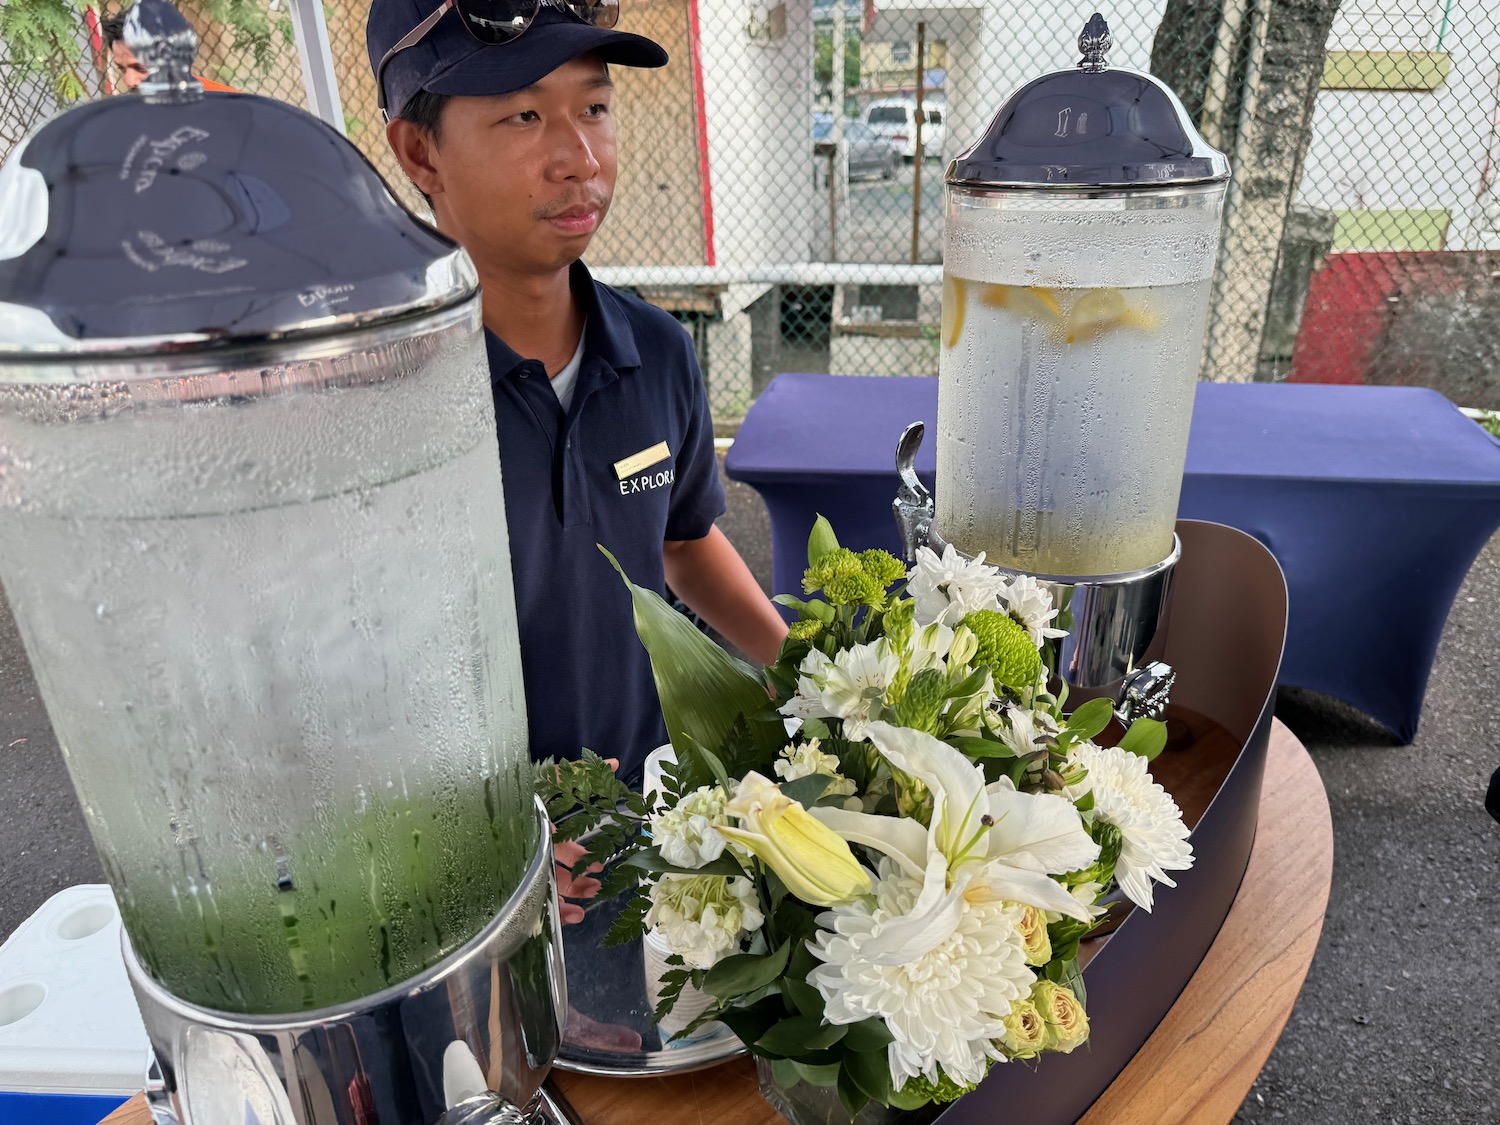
x=1153, y=839
x=946, y=587
x=1030, y=603
x=850, y=687
x=704, y=918
x=808, y=759
x=685, y=833
x=946, y=1007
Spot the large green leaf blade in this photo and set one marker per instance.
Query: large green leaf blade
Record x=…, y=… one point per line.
x=703, y=689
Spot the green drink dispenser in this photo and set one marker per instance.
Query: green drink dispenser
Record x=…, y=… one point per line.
x=252, y=532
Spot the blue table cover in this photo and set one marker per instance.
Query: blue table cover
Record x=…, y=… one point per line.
x=1375, y=500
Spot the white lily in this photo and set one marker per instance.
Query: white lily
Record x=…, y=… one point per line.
x=985, y=843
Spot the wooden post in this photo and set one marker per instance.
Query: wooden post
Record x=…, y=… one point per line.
x=916, y=163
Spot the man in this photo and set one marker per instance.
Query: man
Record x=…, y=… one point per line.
x=132, y=72
x=605, y=432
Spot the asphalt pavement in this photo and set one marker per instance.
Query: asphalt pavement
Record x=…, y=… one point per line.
x=1398, y=1020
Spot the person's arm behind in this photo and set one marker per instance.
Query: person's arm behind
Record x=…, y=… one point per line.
x=709, y=575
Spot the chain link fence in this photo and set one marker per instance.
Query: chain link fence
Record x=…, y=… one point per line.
x=781, y=192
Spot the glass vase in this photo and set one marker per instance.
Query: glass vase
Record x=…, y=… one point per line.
x=803, y=1103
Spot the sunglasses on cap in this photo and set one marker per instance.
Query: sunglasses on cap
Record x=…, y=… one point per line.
x=495, y=21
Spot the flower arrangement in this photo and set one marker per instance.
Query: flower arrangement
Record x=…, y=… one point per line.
x=878, y=856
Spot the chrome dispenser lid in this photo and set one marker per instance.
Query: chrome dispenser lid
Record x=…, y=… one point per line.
x=178, y=219
x=1092, y=126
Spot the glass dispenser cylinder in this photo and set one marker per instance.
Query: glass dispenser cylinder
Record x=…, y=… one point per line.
x=1081, y=239
x=1073, y=326
x=253, y=534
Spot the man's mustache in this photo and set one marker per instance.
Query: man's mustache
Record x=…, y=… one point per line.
x=595, y=199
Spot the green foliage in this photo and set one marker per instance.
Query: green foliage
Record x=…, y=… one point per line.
x=704, y=691
x=41, y=37
x=823, y=59
x=1146, y=737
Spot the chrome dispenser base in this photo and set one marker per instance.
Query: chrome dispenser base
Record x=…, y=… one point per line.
x=1111, y=619
x=467, y=1042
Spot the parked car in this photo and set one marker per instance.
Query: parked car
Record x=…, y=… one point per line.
x=868, y=153
x=897, y=120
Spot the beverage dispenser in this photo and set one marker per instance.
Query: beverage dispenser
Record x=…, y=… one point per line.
x=253, y=535
x=1082, y=231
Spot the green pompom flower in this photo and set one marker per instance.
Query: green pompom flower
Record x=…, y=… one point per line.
x=922, y=701
x=946, y=1090
x=845, y=578
x=804, y=630
x=882, y=566
x=1006, y=647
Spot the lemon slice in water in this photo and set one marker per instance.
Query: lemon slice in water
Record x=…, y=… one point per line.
x=1098, y=311
x=955, y=294
x=1027, y=301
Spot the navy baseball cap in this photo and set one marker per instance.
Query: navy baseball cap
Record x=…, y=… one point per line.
x=449, y=60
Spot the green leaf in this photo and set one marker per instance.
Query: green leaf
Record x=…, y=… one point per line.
x=797, y=1035
x=785, y=1073
x=815, y=728
x=806, y=790
x=970, y=684
x=1091, y=718
x=871, y=1073
x=703, y=689
x=631, y=924
x=804, y=997
x=789, y=601
x=748, y=1023
x=650, y=861
x=744, y=973
x=1146, y=737
x=821, y=541
x=850, y=1094
x=980, y=747
x=868, y=1035
x=818, y=1075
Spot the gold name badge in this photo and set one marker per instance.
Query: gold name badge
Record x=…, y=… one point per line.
x=642, y=460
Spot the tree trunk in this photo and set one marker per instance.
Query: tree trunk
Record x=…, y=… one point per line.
x=1182, y=52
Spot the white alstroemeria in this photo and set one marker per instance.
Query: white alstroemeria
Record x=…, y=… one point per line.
x=807, y=759
x=946, y=587
x=1024, y=730
x=685, y=832
x=929, y=647
x=808, y=702
x=945, y=1007
x=850, y=687
x=1153, y=838
x=984, y=844
x=1030, y=603
x=704, y=918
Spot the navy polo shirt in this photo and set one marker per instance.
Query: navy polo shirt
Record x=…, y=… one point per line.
x=629, y=465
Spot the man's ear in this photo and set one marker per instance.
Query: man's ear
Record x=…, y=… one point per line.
x=415, y=148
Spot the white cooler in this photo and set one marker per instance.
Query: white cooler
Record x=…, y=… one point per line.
x=72, y=1046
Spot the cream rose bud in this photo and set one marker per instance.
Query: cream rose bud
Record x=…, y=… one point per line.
x=812, y=860
x=1025, y=1031
x=1067, y=1023
x=686, y=832
x=1034, y=936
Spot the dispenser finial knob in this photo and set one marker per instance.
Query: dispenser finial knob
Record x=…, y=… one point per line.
x=164, y=42
x=1094, y=43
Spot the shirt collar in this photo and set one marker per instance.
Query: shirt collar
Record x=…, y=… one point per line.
x=607, y=334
